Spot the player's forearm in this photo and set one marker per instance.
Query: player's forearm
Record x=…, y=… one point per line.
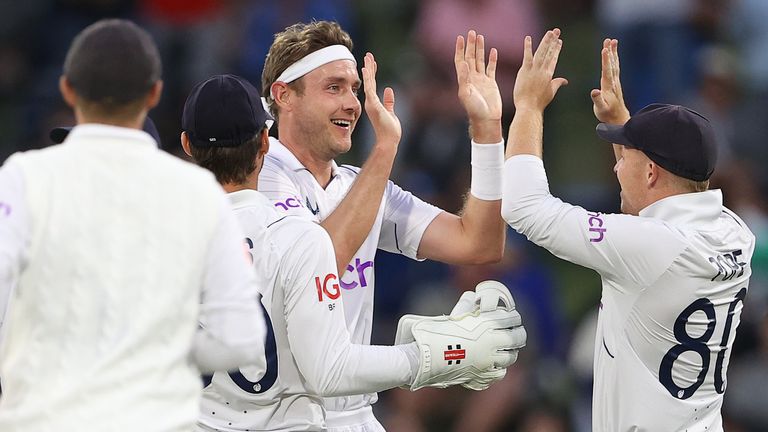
x=359, y=369
x=351, y=222
x=525, y=133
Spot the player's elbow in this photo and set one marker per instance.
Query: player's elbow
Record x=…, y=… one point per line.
x=490, y=254
x=520, y=212
x=326, y=378
x=486, y=250
x=510, y=211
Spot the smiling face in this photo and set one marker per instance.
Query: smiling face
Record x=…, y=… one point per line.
x=326, y=112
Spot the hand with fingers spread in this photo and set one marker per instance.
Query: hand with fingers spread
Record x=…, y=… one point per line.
x=534, y=87
x=385, y=123
x=608, y=101
x=478, y=91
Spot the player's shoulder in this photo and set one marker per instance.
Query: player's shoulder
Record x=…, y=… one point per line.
x=36, y=156
x=737, y=223
x=252, y=208
x=289, y=231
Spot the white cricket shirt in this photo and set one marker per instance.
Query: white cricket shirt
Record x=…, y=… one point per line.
x=674, y=280
x=308, y=347
x=128, y=268
x=400, y=223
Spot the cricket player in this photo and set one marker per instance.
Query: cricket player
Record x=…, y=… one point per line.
x=308, y=348
x=310, y=81
x=675, y=266
x=127, y=264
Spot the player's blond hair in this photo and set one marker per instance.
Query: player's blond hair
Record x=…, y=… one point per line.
x=294, y=43
x=688, y=185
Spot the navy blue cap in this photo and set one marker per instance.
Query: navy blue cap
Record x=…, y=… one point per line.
x=676, y=138
x=59, y=134
x=223, y=111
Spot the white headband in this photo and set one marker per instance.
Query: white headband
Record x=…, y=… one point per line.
x=313, y=61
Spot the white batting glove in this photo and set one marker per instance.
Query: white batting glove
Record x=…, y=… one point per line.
x=487, y=296
x=473, y=346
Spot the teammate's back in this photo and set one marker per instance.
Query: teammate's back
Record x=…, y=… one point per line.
x=127, y=263
x=110, y=296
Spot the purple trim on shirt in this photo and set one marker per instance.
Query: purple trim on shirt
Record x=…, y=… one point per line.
x=5, y=208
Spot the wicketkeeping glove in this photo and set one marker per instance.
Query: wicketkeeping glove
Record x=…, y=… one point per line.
x=473, y=346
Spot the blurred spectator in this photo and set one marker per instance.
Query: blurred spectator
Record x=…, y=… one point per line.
x=655, y=45
x=261, y=19
x=716, y=97
x=439, y=137
x=746, y=29
x=748, y=378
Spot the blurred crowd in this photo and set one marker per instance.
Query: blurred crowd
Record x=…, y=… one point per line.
x=707, y=54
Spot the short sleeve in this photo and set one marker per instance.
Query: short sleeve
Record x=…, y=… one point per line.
x=406, y=217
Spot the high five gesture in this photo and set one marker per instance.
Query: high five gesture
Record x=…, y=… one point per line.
x=478, y=92
x=608, y=101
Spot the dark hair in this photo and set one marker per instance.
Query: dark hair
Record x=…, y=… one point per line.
x=295, y=43
x=112, y=63
x=229, y=164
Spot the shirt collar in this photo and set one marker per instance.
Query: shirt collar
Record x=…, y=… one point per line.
x=687, y=208
x=89, y=131
x=248, y=197
x=281, y=152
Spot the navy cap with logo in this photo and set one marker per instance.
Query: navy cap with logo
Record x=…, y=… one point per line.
x=223, y=111
x=59, y=134
x=676, y=138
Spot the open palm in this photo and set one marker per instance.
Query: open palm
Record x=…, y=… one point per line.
x=608, y=101
x=478, y=91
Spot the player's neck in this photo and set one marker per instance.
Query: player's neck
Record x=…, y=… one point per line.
x=320, y=166
x=131, y=123
x=251, y=182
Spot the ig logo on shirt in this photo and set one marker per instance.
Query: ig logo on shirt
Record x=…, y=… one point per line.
x=327, y=288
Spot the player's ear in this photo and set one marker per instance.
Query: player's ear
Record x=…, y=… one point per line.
x=153, y=98
x=185, y=144
x=264, y=136
x=652, y=174
x=281, y=94
x=67, y=91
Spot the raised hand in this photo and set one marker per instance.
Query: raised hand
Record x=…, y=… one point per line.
x=385, y=123
x=608, y=101
x=534, y=87
x=478, y=91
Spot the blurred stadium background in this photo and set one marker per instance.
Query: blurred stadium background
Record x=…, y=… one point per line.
x=711, y=55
